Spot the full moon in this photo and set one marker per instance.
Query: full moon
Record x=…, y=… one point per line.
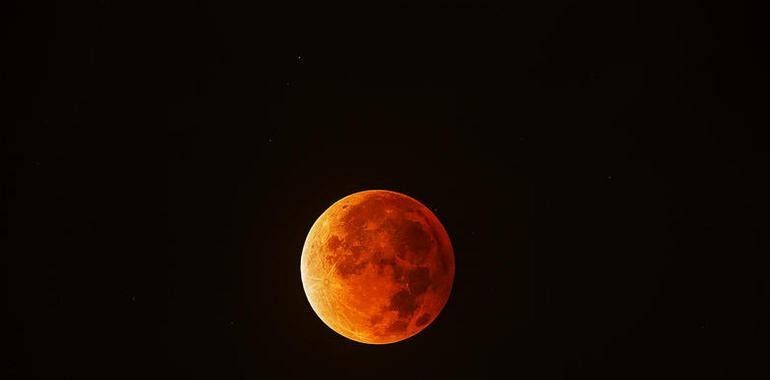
x=377, y=267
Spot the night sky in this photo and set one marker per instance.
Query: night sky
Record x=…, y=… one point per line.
x=600, y=168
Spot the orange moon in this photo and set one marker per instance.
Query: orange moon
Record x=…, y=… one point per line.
x=377, y=267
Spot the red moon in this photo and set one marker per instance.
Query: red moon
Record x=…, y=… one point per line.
x=377, y=267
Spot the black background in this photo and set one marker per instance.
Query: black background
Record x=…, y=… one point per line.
x=598, y=165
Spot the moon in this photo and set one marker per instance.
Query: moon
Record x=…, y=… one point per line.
x=377, y=267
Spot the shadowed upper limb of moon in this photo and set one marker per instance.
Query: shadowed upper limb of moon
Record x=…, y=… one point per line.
x=377, y=267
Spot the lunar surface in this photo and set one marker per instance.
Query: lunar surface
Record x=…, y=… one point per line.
x=377, y=267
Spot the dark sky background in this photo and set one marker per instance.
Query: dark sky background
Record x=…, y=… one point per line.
x=599, y=167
